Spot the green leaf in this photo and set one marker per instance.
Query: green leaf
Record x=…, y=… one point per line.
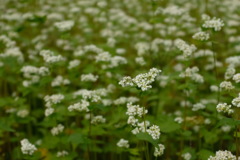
x=205, y=154
x=167, y=124
x=78, y=138
x=146, y=137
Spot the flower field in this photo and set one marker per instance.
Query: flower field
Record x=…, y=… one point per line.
x=119, y=80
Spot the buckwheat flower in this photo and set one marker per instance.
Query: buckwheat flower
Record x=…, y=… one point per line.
x=185, y=48
x=154, y=131
x=223, y=155
x=132, y=120
x=214, y=23
x=236, y=101
x=133, y=110
x=57, y=130
x=186, y=156
x=59, y=80
x=74, y=64
x=54, y=99
x=64, y=25
x=225, y=108
x=89, y=77
x=98, y=119
x=83, y=106
x=43, y=71
x=123, y=143
x=140, y=61
x=226, y=128
x=198, y=106
x=27, y=147
x=126, y=81
x=49, y=57
x=23, y=113
x=49, y=111
x=103, y=57
x=178, y=119
x=159, y=150
x=202, y=36
x=236, y=78
x=226, y=85
x=214, y=88
x=230, y=72
x=116, y=61
x=62, y=153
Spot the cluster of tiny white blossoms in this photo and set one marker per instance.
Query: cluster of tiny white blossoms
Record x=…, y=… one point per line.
x=91, y=95
x=236, y=78
x=23, y=113
x=154, y=131
x=192, y=74
x=62, y=153
x=236, y=101
x=123, y=100
x=187, y=49
x=89, y=77
x=51, y=100
x=98, y=119
x=223, y=155
x=33, y=74
x=225, y=108
x=57, y=130
x=229, y=72
x=49, y=57
x=226, y=85
x=198, y=106
x=64, y=25
x=27, y=147
x=202, y=36
x=214, y=23
x=83, y=106
x=187, y=156
x=142, y=81
x=74, y=63
x=159, y=150
x=133, y=110
x=59, y=80
x=123, y=143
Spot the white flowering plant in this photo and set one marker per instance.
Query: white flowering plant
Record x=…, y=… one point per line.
x=119, y=80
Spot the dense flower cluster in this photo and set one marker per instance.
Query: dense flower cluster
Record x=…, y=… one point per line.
x=27, y=147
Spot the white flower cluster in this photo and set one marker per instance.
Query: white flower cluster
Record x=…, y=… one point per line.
x=229, y=72
x=198, y=106
x=57, y=130
x=123, y=143
x=50, y=100
x=27, y=147
x=187, y=156
x=23, y=113
x=142, y=81
x=92, y=95
x=33, y=74
x=83, y=106
x=123, y=100
x=225, y=108
x=185, y=48
x=226, y=85
x=89, y=77
x=59, y=80
x=236, y=101
x=135, y=110
x=178, y=119
x=192, y=73
x=214, y=23
x=64, y=25
x=74, y=63
x=142, y=48
x=202, y=36
x=154, y=131
x=140, y=61
x=223, y=155
x=62, y=153
x=98, y=119
x=236, y=78
x=159, y=150
x=49, y=57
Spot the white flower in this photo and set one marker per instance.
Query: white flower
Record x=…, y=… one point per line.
x=59, y=80
x=159, y=150
x=154, y=131
x=202, y=36
x=23, y=113
x=226, y=85
x=89, y=77
x=123, y=143
x=214, y=23
x=225, y=108
x=223, y=155
x=140, y=61
x=57, y=130
x=198, y=106
x=83, y=106
x=49, y=111
x=64, y=25
x=126, y=81
x=236, y=77
x=236, y=101
x=178, y=119
x=186, y=156
x=62, y=153
x=185, y=48
x=49, y=57
x=74, y=63
x=98, y=119
x=27, y=147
